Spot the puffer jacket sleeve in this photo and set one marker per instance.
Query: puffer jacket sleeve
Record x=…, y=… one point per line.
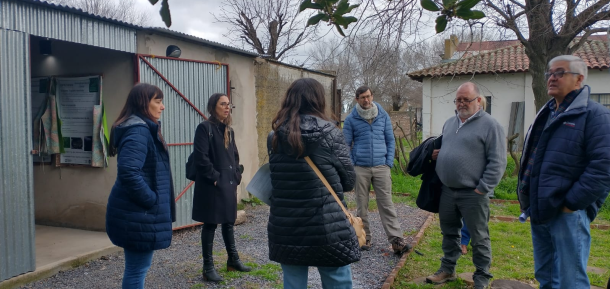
x=342, y=161
x=133, y=149
x=348, y=132
x=594, y=182
x=201, y=155
x=389, y=142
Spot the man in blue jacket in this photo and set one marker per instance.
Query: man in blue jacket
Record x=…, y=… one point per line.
x=565, y=175
x=368, y=132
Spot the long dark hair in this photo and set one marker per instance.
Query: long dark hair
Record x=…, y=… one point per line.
x=304, y=96
x=137, y=103
x=212, y=102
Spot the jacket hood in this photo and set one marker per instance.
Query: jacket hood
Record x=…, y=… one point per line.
x=130, y=122
x=313, y=130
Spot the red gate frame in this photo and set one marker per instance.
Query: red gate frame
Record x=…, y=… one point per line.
x=141, y=57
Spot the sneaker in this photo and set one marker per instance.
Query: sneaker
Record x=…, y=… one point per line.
x=400, y=246
x=367, y=246
x=440, y=277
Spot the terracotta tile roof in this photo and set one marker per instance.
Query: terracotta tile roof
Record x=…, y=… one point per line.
x=485, y=45
x=509, y=60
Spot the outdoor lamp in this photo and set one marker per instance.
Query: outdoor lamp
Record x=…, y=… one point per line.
x=45, y=47
x=173, y=51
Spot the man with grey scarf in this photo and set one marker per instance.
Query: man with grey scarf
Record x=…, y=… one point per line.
x=368, y=132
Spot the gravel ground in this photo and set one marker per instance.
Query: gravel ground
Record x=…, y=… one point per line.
x=180, y=265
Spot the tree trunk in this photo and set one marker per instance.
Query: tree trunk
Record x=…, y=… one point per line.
x=539, y=56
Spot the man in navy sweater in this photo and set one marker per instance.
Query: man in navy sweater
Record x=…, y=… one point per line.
x=565, y=175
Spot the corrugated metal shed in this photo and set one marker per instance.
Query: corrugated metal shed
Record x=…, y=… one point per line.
x=63, y=23
x=196, y=81
x=16, y=188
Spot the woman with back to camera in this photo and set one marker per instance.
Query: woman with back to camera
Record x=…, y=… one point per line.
x=218, y=175
x=307, y=227
x=141, y=205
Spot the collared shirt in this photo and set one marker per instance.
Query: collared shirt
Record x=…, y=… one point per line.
x=536, y=132
x=460, y=123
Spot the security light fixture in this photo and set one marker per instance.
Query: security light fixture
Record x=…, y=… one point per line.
x=173, y=51
x=45, y=47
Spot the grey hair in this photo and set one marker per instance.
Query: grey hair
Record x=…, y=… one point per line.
x=576, y=65
x=477, y=92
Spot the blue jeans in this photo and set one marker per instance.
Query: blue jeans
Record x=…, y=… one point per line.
x=561, y=251
x=295, y=277
x=136, y=267
x=465, y=235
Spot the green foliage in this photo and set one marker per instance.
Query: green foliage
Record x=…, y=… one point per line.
x=331, y=11
x=254, y=201
x=450, y=9
x=164, y=12
x=512, y=256
x=441, y=23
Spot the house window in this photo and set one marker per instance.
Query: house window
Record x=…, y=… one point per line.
x=488, y=107
x=602, y=98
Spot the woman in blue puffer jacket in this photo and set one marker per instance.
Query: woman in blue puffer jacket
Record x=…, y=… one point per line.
x=141, y=205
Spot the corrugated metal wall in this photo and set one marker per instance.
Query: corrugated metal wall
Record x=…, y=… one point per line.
x=47, y=22
x=196, y=81
x=16, y=188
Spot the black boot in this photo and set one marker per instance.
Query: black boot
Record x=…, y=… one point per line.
x=207, y=244
x=233, y=263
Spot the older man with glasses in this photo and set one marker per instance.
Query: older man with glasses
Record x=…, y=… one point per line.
x=470, y=164
x=565, y=175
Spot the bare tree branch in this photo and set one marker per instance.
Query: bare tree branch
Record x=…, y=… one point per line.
x=273, y=28
x=124, y=10
x=584, y=39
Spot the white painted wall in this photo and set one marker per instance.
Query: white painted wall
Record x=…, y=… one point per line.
x=440, y=92
x=438, y=95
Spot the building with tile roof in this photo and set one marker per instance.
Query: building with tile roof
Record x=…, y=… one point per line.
x=503, y=78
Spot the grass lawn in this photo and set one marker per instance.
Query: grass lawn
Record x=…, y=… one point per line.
x=512, y=256
x=511, y=242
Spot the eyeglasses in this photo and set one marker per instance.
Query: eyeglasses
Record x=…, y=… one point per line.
x=456, y=101
x=227, y=104
x=559, y=74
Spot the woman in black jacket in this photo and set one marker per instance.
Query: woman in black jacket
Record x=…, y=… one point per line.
x=306, y=225
x=218, y=174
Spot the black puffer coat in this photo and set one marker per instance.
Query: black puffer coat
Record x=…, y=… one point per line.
x=306, y=225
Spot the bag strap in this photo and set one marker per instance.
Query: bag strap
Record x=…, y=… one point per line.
x=330, y=189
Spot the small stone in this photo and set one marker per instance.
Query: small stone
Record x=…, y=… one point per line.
x=595, y=270
x=241, y=217
x=509, y=284
x=467, y=277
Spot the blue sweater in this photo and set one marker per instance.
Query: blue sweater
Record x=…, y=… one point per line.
x=141, y=205
x=372, y=144
x=572, y=163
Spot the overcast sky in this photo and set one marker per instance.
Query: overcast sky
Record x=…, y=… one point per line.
x=190, y=16
x=194, y=17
